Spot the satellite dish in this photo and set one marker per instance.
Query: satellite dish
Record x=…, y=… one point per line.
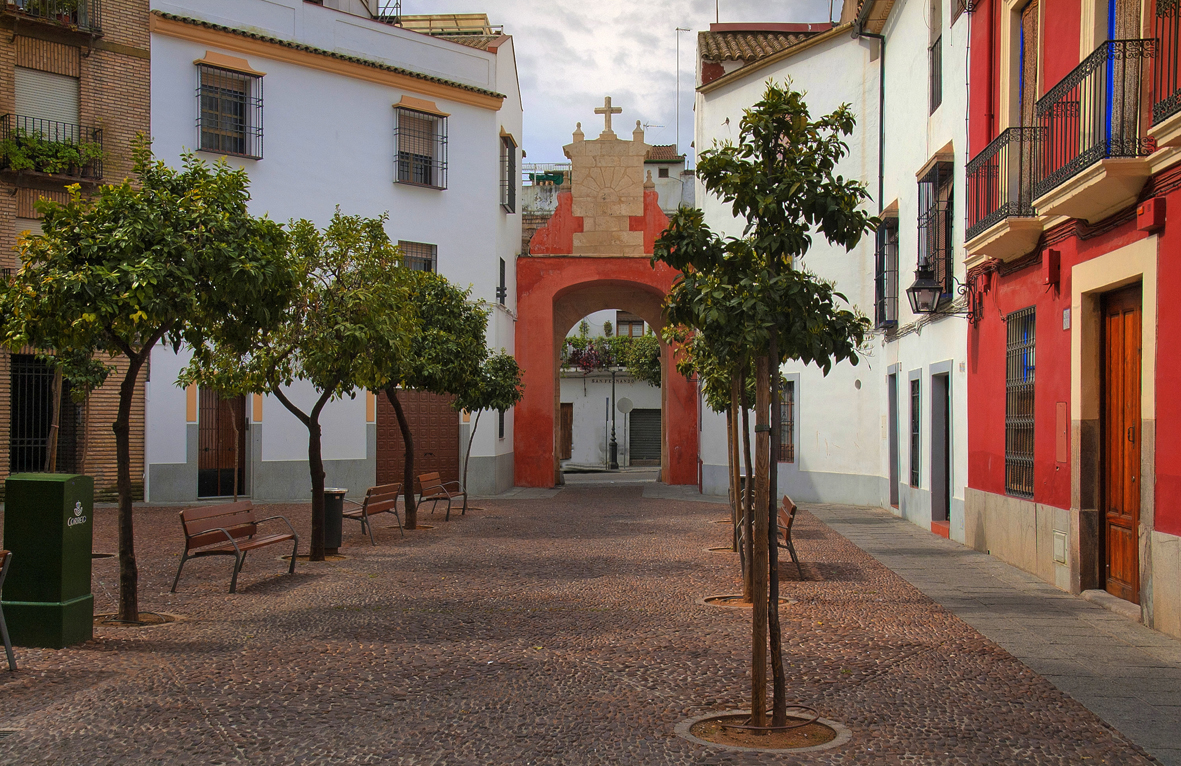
x=625, y=405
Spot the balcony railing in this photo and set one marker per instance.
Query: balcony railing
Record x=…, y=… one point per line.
x=85, y=15
x=1000, y=179
x=1094, y=113
x=1166, y=78
x=48, y=146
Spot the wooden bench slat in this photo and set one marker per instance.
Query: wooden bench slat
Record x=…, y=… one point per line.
x=228, y=521
x=206, y=528
x=205, y=511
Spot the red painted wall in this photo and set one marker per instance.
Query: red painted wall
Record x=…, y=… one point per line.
x=653, y=222
x=1061, y=32
x=1168, y=372
x=557, y=236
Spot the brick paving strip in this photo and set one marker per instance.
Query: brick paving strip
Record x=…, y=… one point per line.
x=1125, y=673
x=542, y=630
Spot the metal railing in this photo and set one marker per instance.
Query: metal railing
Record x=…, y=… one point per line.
x=1094, y=113
x=1166, y=75
x=86, y=15
x=49, y=146
x=1001, y=178
x=886, y=274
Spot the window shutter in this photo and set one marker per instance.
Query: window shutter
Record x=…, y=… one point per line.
x=47, y=96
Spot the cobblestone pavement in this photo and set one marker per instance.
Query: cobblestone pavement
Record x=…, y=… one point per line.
x=535, y=631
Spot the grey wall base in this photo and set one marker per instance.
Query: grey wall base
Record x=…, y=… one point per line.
x=490, y=474
x=808, y=486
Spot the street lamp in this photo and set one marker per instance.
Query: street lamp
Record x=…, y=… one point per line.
x=614, y=445
x=925, y=293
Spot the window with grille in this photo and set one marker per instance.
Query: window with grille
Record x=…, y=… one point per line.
x=500, y=424
x=419, y=255
x=787, y=422
x=662, y=173
x=886, y=274
x=502, y=288
x=230, y=120
x=1019, y=378
x=915, y=438
x=936, y=219
x=31, y=416
x=935, y=55
x=421, y=141
x=508, y=175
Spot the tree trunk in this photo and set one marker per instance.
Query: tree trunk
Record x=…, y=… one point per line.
x=747, y=497
x=779, y=682
x=316, y=467
x=468, y=456
x=759, y=554
x=55, y=394
x=408, y=470
x=128, y=571
x=732, y=476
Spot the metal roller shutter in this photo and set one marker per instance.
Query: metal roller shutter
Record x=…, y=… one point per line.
x=644, y=439
x=46, y=96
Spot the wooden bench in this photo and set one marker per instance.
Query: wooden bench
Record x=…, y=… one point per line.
x=5, y=560
x=434, y=488
x=380, y=499
x=787, y=517
x=228, y=530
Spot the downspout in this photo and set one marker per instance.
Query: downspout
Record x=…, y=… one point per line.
x=859, y=31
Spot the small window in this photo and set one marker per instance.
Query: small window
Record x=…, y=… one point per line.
x=936, y=222
x=914, y=432
x=508, y=175
x=886, y=274
x=502, y=289
x=421, y=141
x=231, y=112
x=500, y=424
x=662, y=173
x=1020, y=365
x=419, y=255
x=935, y=55
x=787, y=422
x=628, y=325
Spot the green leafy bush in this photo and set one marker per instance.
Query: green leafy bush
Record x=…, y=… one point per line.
x=31, y=150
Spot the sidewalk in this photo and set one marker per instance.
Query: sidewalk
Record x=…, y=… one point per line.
x=1125, y=673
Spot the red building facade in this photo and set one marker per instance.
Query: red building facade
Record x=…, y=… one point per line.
x=1075, y=137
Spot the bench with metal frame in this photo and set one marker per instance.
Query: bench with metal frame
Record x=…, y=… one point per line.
x=229, y=530
x=435, y=489
x=5, y=560
x=787, y=517
x=380, y=499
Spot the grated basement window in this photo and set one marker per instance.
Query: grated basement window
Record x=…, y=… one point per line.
x=1019, y=405
x=787, y=422
x=936, y=219
x=886, y=274
x=915, y=437
x=421, y=141
x=230, y=120
x=508, y=175
x=419, y=256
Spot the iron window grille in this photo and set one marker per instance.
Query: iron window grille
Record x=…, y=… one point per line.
x=86, y=15
x=915, y=438
x=500, y=424
x=31, y=413
x=1167, y=73
x=787, y=422
x=886, y=274
x=17, y=130
x=1019, y=401
x=1094, y=113
x=508, y=175
x=419, y=256
x=421, y=141
x=935, y=74
x=936, y=219
x=1000, y=179
x=502, y=288
x=230, y=120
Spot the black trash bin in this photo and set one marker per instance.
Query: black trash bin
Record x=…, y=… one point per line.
x=333, y=517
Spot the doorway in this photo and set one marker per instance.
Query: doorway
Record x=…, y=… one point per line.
x=940, y=447
x=434, y=427
x=1120, y=491
x=221, y=445
x=566, y=432
x=895, y=474
x=644, y=439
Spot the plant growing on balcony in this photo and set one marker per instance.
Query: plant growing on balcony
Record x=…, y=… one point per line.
x=32, y=150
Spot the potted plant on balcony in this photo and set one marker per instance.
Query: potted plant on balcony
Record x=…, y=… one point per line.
x=25, y=150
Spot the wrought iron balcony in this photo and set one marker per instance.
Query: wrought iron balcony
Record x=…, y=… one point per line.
x=1001, y=178
x=1094, y=113
x=83, y=15
x=48, y=146
x=1166, y=77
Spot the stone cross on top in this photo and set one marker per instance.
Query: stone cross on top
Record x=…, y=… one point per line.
x=607, y=110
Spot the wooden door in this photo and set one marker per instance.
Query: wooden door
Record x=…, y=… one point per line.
x=435, y=429
x=221, y=426
x=1121, y=442
x=566, y=431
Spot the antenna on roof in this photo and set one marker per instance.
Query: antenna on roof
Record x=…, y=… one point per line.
x=384, y=11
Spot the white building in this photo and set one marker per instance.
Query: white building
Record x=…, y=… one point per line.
x=358, y=113
x=890, y=431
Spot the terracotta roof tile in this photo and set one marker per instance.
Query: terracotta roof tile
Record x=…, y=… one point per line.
x=746, y=46
x=663, y=153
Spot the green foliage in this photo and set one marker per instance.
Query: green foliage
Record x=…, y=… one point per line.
x=584, y=329
x=642, y=358
x=497, y=386
x=639, y=356
x=31, y=150
x=608, y=328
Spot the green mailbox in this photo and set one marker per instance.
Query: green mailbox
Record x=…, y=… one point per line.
x=48, y=526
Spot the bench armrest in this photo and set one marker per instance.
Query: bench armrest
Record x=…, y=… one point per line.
x=233, y=541
x=449, y=483
x=285, y=521
x=351, y=502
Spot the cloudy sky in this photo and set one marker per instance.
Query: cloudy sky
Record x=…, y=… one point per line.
x=572, y=54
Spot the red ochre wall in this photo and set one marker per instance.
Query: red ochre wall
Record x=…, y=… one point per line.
x=1168, y=372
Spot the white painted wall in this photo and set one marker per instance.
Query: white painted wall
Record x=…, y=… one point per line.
x=591, y=395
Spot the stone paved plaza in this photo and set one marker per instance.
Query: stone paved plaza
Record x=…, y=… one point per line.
x=539, y=630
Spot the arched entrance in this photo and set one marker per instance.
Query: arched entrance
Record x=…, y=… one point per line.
x=553, y=294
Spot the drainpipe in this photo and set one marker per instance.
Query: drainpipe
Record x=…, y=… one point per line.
x=859, y=31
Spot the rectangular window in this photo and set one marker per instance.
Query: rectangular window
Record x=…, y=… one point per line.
x=508, y=175
x=936, y=219
x=419, y=255
x=1019, y=378
x=628, y=324
x=914, y=432
x=31, y=415
x=886, y=274
x=230, y=121
x=787, y=422
x=421, y=141
x=502, y=289
x=662, y=173
x=52, y=98
x=500, y=424
x=935, y=55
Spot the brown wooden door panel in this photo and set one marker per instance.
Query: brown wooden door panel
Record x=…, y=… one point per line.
x=435, y=428
x=566, y=431
x=1121, y=441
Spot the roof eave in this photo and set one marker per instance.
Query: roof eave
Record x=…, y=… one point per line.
x=743, y=72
